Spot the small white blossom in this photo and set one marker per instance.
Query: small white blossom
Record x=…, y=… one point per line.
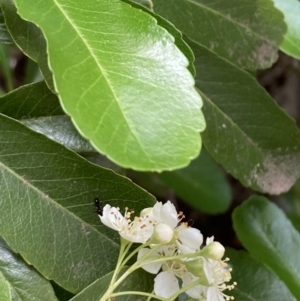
x=112, y=218
x=166, y=282
x=139, y=230
x=217, y=274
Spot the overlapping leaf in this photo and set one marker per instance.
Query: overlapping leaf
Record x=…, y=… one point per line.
x=28, y=37
x=291, y=11
x=269, y=236
x=22, y=283
x=245, y=32
x=246, y=131
x=254, y=280
x=202, y=184
x=122, y=80
x=30, y=101
x=137, y=281
x=47, y=210
x=4, y=35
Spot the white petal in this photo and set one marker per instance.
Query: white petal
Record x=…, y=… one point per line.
x=156, y=212
x=169, y=214
x=209, y=240
x=165, y=284
x=196, y=291
x=152, y=268
x=111, y=217
x=207, y=267
x=213, y=294
x=189, y=238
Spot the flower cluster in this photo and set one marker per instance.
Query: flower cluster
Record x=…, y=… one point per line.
x=174, y=252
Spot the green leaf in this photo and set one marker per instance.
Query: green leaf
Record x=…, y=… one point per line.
x=39, y=109
x=61, y=130
x=61, y=294
x=22, y=281
x=291, y=11
x=146, y=3
x=202, y=184
x=4, y=35
x=269, y=236
x=28, y=37
x=180, y=43
x=47, y=210
x=4, y=289
x=245, y=32
x=246, y=131
x=254, y=280
x=137, y=281
x=126, y=86
x=30, y=101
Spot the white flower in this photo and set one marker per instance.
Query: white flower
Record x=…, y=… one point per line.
x=217, y=274
x=166, y=282
x=139, y=230
x=188, y=239
x=112, y=218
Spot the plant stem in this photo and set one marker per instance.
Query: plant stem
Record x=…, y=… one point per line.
x=125, y=246
x=139, y=293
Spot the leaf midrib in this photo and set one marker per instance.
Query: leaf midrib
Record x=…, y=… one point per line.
x=230, y=20
x=227, y=117
x=85, y=42
x=285, y=264
x=46, y=196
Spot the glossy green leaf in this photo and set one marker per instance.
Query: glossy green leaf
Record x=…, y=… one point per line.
x=23, y=281
x=28, y=38
x=137, y=281
x=126, y=86
x=4, y=35
x=4, y=289
x=146, y=3
x=269, y=236
x=180, y=43
x=245, y=32
x=202, y=184
x=39, y=109
x=291, y=11
x=30, y=101
x=246, y=131
x=61, y=294
x=60, y=129
x=47, y=210
x=254, y=280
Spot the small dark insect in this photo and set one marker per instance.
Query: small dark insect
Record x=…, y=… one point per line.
x=99, y=208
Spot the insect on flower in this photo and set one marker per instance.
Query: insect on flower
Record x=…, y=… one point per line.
x=99, y=208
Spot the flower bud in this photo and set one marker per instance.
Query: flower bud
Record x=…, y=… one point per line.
x=162, y=234
x=195, y=267
x=214, y=251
